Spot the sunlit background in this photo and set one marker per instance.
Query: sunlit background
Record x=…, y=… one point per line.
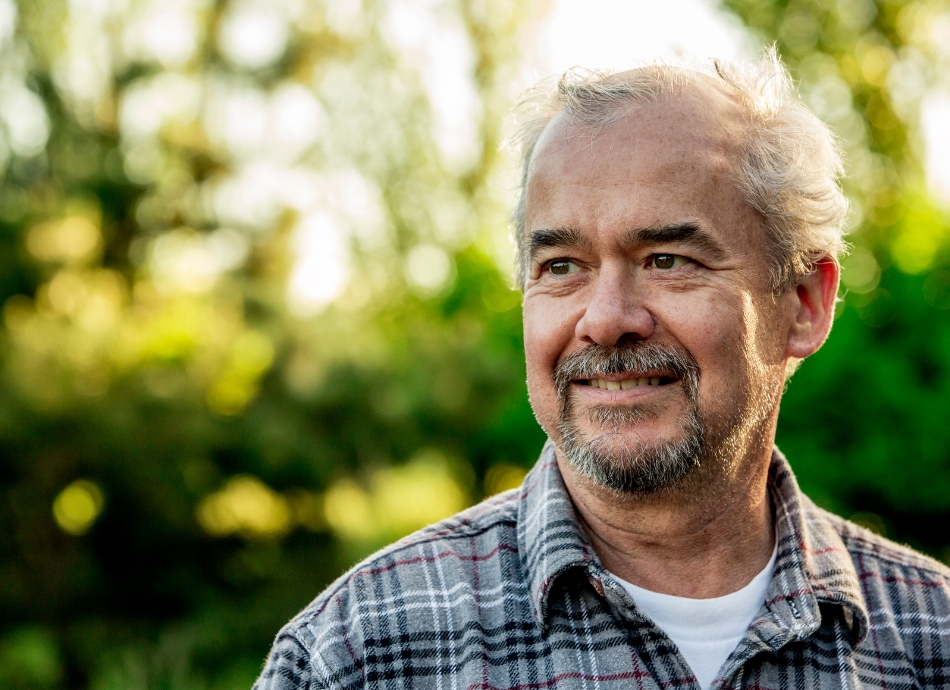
x=257, y=320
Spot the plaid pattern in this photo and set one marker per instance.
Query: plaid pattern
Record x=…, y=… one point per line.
x=510, y=594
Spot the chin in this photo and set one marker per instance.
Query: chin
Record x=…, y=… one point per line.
x=622, y=461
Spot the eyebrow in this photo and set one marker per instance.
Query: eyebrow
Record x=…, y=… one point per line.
x=677, y=233
x=555, y=237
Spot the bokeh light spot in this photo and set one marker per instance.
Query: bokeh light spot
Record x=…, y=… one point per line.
x=27, y=124
x=348, y=510
x=185, y=261
x=501, y=477
x=77, y=506
x=253, y=37
x=935, y=114
x=73, y=239
x=320, y=273
x=400, y=500
x=247, y=507
x=428, y=267
x=411, y=496
x=860, y=271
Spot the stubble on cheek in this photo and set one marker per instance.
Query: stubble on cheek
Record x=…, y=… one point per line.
x=750, y=381
x=544, y=401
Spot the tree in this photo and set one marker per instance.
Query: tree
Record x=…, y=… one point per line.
x=257, y=319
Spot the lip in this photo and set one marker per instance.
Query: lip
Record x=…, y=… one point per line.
x=600, y=395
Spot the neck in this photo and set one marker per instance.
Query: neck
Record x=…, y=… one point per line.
x=704, y=540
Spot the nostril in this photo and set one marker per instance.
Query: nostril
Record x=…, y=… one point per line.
x=609, y=319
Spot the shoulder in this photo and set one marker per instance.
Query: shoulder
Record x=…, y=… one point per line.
x=451, y=546
x=394, y=592
x=906, y=594
x=871, y=551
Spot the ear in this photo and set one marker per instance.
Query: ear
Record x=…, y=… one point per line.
x=814, y=301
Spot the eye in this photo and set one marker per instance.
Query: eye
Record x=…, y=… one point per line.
x=562, y=267
x=667, y=261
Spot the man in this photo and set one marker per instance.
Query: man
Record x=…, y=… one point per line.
x=678, y=234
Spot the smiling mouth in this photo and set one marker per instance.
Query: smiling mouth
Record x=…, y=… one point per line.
x=628, y=383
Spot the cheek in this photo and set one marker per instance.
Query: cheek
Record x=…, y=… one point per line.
x=718, y=330
x=546, y=333
x=774, y=323
x=734, y=341
x=547, y=336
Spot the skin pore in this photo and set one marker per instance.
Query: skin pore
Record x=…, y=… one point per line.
x=635, y=234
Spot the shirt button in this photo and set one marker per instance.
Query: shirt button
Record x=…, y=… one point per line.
x=597, y=585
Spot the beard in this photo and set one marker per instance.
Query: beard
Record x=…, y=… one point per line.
x=610, y=458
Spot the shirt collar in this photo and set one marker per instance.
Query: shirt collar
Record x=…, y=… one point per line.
x=813, y=566
x=550, y=537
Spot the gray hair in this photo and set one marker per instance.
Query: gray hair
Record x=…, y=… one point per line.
x=789, y=161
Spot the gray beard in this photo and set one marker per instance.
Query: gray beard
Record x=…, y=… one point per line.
x=608, y=458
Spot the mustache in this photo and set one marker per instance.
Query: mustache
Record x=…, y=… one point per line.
x=627, y=357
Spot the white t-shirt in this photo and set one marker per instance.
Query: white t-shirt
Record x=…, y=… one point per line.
x=705, y=630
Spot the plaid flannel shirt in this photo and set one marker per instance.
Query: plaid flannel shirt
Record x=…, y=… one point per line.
x=510, y=594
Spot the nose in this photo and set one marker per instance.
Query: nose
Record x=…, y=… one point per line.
x=614, y=311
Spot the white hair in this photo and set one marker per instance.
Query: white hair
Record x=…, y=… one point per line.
x=789, y=162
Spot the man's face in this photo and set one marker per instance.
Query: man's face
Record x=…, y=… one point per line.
x=653, y=341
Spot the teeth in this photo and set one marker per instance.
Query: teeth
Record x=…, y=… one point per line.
x=626, y=384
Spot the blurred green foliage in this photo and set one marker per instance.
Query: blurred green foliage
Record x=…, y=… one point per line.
x=203, y=419
x=257, y=319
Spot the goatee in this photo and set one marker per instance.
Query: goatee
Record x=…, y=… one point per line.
x=608, y=457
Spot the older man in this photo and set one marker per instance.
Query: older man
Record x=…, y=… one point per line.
x=678, y=230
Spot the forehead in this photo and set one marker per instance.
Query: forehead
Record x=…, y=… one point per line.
x=703, y=116
x=674, y=156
